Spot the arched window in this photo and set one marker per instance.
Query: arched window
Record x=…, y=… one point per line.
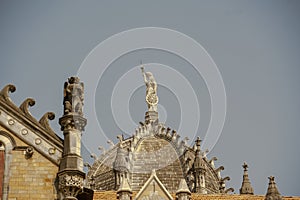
x=7, y=144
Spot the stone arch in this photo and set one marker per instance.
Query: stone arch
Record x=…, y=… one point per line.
x=8, y=144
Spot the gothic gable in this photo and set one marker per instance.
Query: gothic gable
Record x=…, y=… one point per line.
x=153, y=189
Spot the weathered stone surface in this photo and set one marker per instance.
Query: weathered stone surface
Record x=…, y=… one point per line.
x=25, y=174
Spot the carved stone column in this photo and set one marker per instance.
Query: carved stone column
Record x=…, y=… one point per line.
x=71, y=175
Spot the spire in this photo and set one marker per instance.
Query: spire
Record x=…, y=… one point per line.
x=121, y=166
x=272, y=193
x=198, y=146
x=183, y=191
x=246, y=185
x=198, y=163
x=199, y=169
x=124, y=192
x=124, y=187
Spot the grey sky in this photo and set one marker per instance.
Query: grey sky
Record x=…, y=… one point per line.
x=255, y=45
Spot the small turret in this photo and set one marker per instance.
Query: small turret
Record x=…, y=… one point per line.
x=272, y=193
x=121, y=166
x=183, y=192
x=124, y=192
x=199, y=169
x=246, y=185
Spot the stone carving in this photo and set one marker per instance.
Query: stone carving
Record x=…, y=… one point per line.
x=24, y=131
x=229, y=190
x=87, y=165
x=73, y=96
x=51, y=151
x=70, y=185
x=72, y=122
x=38, y=141
x=25, y=106
x=102, y=149
x=111, y=144
x=4, y=94
x=11, y=122
x=29, y=152
x=94, y=156
x=246, y=185
x=44, y=121
x=272, y=192
x=151, y=97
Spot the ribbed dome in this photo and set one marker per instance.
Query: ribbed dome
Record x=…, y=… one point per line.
x=155, y=147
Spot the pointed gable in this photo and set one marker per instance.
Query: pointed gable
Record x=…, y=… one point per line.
x=153, y=189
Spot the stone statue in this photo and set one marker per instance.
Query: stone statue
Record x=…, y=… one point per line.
x=73, y=96
x=151, y=97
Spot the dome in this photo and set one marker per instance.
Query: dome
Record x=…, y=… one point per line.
x=154, y=147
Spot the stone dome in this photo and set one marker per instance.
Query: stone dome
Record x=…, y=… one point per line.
x=154, y=147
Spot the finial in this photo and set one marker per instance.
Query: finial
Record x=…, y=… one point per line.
x=198, y=143
x=245, y=166
x=271, y=179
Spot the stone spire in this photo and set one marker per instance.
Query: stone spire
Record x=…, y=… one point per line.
x=71, y=175
x=121, y=166
x=199, y=169
x=272, y=193
x=124, y=192
x=151, y=115
x=246, y=185
x=183, y=192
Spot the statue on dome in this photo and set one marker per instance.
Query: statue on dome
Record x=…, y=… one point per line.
x=151, y=97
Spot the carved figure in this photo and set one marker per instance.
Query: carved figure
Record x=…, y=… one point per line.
x=151, y=97
x=73, y=96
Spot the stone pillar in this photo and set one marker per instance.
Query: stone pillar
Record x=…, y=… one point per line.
x=71, y=175
x=246, y=185
x=183, y=192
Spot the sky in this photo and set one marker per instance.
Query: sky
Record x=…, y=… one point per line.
x=253, y=46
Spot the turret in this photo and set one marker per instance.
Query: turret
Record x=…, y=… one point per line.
x=272, y=193
x=183, y=192
x=121, y=166
x=71, y=175
x=199, y=169
x=124, y=192
x=246, y=185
